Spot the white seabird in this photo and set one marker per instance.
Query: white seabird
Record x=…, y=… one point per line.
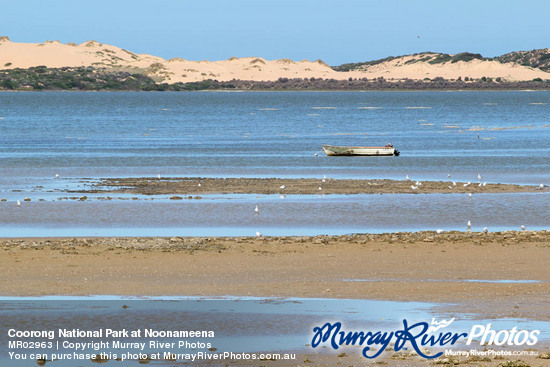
x=485, y=230
x=258, y=234
x=256, y=210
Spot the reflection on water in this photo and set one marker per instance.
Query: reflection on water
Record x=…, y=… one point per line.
x=239, y=324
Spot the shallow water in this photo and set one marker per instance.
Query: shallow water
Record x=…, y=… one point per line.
x=269, y=134
x=246, y=324
x=233, y=215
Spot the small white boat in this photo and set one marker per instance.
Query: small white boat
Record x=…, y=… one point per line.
x=388, y=150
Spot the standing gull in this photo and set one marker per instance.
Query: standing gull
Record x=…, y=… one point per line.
x=256, y=210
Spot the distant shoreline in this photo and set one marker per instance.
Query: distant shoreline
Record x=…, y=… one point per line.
x=275, y=90
x=101, y=79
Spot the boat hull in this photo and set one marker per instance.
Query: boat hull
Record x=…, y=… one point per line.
x=331, y=150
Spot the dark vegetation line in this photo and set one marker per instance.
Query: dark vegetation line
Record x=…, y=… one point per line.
x=94, y=79
x=539, y=59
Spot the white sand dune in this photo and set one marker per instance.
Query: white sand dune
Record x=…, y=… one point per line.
x=413, y=67
x=55, y=54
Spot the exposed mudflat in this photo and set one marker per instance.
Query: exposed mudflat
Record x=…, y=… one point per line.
x=493, y=275
x=303, y=186
x=421, y=266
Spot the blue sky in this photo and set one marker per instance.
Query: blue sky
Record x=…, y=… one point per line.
x=334, y=31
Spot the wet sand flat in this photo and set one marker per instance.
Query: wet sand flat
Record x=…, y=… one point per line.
x=304, y=186
x=453, y=267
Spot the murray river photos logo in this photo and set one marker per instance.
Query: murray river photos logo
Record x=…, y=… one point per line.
x=418, y=335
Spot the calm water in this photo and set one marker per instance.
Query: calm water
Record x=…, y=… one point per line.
x=233, y=215
x=271, y=134
x=240, y=324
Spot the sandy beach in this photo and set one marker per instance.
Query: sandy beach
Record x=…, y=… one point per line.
x=424, y=266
